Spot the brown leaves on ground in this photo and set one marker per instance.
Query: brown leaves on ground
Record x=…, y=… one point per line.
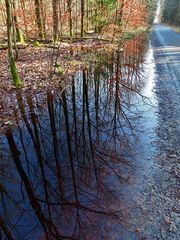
x=36, y=65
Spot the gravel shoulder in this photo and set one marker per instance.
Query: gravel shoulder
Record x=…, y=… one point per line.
x=166, y=47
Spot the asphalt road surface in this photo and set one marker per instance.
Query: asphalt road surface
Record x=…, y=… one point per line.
x=165, y=197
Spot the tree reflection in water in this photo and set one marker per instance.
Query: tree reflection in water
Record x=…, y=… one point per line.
x=64, y=150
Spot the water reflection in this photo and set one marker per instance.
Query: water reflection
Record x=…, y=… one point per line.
x=68, y=151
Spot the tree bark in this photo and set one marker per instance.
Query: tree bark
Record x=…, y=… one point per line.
x=69, y=3
x=55, y=21
x=39, y=20
x=19, y=35
x=12, y=65
x=82, y=18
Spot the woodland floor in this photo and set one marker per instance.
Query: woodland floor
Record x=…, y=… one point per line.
x=36, y=64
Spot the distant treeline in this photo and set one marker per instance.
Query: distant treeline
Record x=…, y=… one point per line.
x=171, y=13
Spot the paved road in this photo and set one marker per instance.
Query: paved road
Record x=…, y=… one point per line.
x=166, y=47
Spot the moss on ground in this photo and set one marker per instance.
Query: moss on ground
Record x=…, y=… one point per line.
x=36, y=44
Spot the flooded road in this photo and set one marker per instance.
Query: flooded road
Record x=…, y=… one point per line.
x=85, y=161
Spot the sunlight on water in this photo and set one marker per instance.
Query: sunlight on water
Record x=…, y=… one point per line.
x=150, y=72
x=175, y=50
x=167, y=55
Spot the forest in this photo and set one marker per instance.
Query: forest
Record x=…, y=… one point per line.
x=61, y=25
x=171, y=13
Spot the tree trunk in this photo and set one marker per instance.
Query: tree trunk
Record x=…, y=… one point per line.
x=55, y=21
x=43, y=15
x=82, y=18
x=70, y=17
x=23, y=7
x=39, y=21
x=12, y=65
x=19, y=35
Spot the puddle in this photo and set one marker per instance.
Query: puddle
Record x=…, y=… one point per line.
x=76, y=160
